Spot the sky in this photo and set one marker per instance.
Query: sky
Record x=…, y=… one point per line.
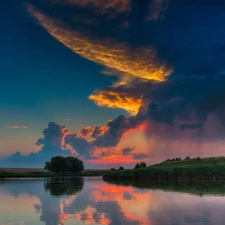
x=111, y=82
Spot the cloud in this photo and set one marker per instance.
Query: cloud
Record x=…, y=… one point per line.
x=80, y=145
x=125, y=97
x=139, y=62
x=52, y=145
x=98, y=130
x=127, y=151
x=190, y=126
x=140, y=156
x=116, y=131
x=157, y=9
x=16, y=127
x=54, y=135
x=163, y=100
x=110, y=7
x=85, y=131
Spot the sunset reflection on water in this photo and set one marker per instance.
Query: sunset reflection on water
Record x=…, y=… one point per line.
x=92, y=201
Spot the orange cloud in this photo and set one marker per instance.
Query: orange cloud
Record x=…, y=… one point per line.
x=140, y=62
x=113, y=159
x=112, y=99
x=16, y=127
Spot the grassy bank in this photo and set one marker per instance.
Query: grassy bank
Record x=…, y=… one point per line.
x=36, y=172
x=207, y=169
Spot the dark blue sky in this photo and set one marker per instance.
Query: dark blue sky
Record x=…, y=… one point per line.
x=81, y=63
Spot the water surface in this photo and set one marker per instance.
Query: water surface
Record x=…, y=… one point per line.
x=80, y=201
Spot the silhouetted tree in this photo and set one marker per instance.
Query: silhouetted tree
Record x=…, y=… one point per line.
x=75, y=165
x=121, y=168
x=187, y=158
x=137, y=166
x=143, y=164
x=59, y=164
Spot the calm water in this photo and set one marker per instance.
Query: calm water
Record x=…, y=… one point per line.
x=92, y=201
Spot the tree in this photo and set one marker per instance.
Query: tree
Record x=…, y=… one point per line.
x=75, y=165
x=121, y=168
x=137, y=166
x=143, y=165
x=59, y=164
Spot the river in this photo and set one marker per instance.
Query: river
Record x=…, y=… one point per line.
x=90, y=200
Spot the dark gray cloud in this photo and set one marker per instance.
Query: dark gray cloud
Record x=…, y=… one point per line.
x=117, y=128
x=140, y=156
x=80, y=145
x=190, y=126
x=85, y=131
x=127, y=151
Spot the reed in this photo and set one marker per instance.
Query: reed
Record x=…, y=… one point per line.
x=208, y=169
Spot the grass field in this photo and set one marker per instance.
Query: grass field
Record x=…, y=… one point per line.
x=207, y=169
x=21, y=170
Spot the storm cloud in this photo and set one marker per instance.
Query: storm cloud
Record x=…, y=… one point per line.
x=168, y=60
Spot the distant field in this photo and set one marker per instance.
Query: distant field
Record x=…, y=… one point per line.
x=22, y=170
x=29, y=170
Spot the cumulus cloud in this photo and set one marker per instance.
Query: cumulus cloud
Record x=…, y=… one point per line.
x=52, y=145
x=80, y=145
x=116, y=130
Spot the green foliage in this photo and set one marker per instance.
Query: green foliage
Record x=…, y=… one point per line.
x=121, y=168
x=59, y=164
x=208, y=169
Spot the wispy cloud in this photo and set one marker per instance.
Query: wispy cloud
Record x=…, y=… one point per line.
x=16, y=127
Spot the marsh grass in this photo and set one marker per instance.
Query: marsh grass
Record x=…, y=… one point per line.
x=207, y=169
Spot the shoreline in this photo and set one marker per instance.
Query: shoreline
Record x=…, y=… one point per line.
x=39, y=172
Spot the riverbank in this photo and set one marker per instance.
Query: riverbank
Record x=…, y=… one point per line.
x=38, y=172
x=207, y=169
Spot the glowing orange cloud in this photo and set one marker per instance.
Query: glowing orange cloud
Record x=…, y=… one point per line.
x=112, y=99
x=137, y=62
x=16, y=127
x=113, y=159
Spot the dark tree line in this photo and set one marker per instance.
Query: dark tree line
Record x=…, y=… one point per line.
x=140, y=165
x=59, y=164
